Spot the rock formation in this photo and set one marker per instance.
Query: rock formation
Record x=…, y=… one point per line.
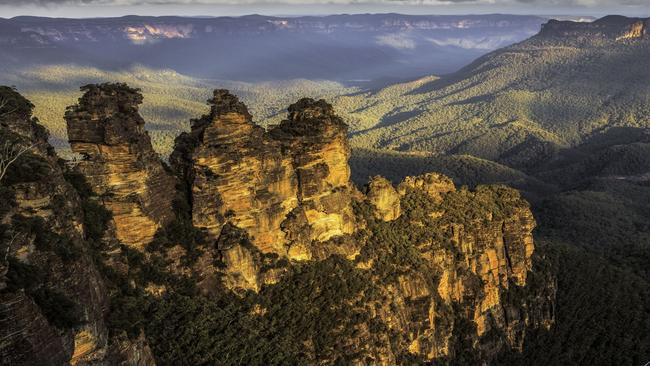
x=284, y=188
x=54, y=300
x=635, y=31
x=385, y=199
x=609, y=28
x=236, y=174
x=119, y=162
x=433, y=184
x=316, y=139
x=416, y=273
x=471, y=251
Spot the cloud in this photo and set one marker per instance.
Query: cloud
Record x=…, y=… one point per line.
x=546, y=3
x=397, y=41
x=258, y=2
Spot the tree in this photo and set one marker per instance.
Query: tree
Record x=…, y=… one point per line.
x=10, y=152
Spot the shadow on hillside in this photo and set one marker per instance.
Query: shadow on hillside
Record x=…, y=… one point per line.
x=390, y=120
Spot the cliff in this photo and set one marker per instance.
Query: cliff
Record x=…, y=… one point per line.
x=316, y=140
x=440, y=258
x=609, y=28
x=236, y=174
x=268, y=254
x=53, y=298
x=285, y=188
x=466, y=254
x=119, y=162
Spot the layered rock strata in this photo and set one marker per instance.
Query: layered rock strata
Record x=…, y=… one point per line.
x=53, y=299
x=385, y=199
x=474, y=255
x=284, y=188
x=237, y=174
x=119, y=162
x=316, y=140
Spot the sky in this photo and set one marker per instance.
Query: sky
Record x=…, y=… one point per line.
x=108, y=8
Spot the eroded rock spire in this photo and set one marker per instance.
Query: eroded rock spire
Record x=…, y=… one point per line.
x=119, y=162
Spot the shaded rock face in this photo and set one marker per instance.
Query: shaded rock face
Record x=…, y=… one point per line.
x=119, y=162
x=285, y=187
x=48, y=265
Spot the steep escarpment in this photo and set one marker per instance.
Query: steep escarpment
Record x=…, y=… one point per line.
x=53, y=298
x=267, y=255
x=119, y=162
x=608, y=28
x=453, y=260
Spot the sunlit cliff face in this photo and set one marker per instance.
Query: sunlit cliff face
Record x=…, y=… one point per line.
x=150, y=33
x=637, y=30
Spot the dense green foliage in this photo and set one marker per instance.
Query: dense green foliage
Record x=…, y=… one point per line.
x=609, y=218
x=603, y=314
x=318, y=302
x=318, y=305
x=514, y=105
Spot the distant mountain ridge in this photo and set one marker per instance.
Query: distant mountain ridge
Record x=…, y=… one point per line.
x=522, y=104
x=255, y=47
x=188, y=27
x=610, y=27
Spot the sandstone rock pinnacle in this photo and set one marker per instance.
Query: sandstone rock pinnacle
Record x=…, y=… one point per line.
x=119, y=161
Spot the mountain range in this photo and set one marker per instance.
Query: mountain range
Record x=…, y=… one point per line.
x=350, y=48
x=520, y=105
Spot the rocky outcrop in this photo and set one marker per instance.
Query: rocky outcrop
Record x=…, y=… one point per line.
x=635, y=31
x=609, y=28
x=119, y=162
x=316, y=139
x=433, y=184
x=285, y=188
x=237, y=174
x=54, y=300
x=385, y=199
x=466, y=274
